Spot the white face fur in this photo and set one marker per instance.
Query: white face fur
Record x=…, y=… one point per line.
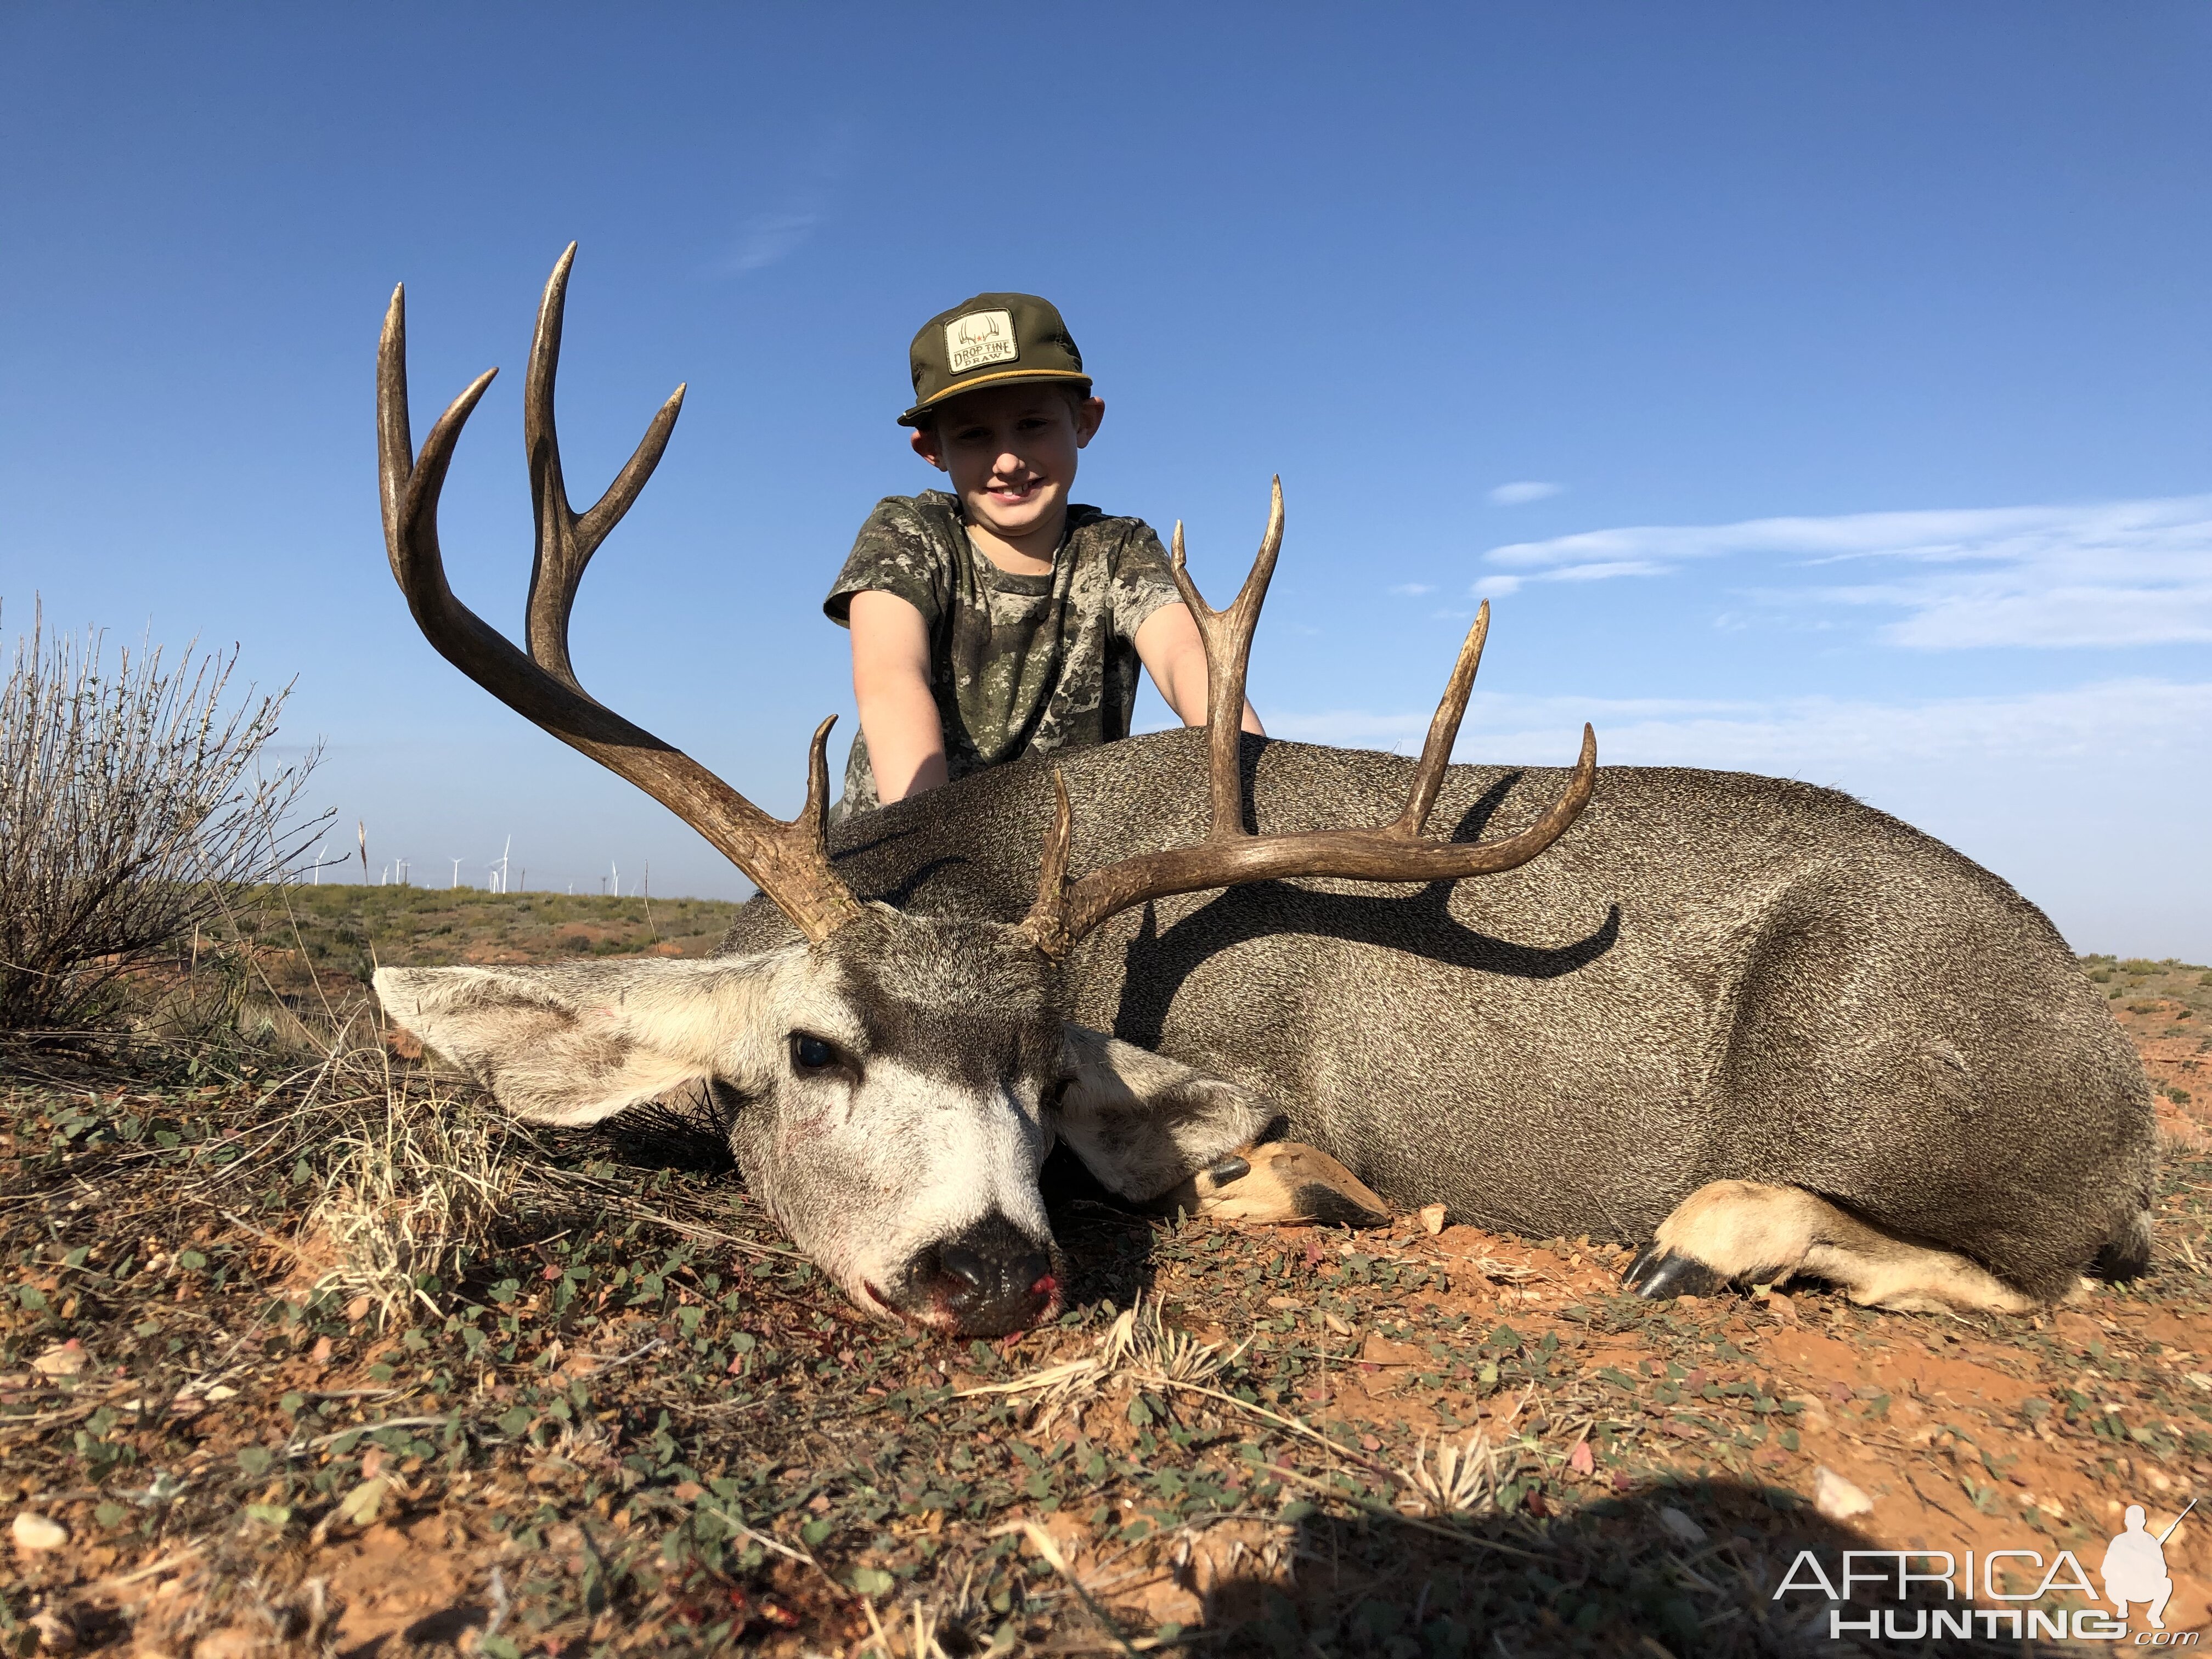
x=889, y=1095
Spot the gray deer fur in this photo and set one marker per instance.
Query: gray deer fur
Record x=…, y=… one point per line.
x=1711, y=976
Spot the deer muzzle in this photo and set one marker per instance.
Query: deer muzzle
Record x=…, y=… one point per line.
x=988, y=1279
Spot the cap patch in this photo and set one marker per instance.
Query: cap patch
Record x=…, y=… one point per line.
x=979, y=338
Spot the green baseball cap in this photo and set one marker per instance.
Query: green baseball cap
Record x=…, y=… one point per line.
x=993, y=339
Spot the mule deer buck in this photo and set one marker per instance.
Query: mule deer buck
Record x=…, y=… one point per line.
x=1754, y=1026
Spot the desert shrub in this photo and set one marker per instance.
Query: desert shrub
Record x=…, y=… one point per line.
x=2177, y=1094
x=130, y=797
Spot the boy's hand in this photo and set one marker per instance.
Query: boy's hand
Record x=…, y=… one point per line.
x=1175, y=656
x=891, y=682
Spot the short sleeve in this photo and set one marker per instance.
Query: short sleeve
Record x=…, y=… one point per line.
x=1142, y=583
x=894, y=553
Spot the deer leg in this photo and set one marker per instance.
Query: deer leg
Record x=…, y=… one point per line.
x=1748, y=1232
x=1282, y=1181
x=1155, y=1131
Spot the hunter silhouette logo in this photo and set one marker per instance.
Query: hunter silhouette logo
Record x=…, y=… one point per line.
x=2135, y=1567
x=2133, y=1571
x=979, y=338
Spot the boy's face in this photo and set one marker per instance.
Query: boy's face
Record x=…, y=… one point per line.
x=1011, y=452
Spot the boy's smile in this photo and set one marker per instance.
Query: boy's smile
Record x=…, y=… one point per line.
x=1010, y=452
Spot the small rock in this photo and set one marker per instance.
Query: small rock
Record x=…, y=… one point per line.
x=34, y=1531
x=1336, y=1324
x=63, y=1359
x=1836, y=1498
x=1432, y=1219
x=56, y=1633
x=1681, y=1525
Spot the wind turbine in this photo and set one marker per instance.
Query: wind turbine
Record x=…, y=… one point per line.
x=316, y=868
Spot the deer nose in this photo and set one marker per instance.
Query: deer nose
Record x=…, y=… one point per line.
x=991, y=1279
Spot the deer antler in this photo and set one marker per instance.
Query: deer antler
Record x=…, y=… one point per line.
x=1230, y=854
x=789, y=862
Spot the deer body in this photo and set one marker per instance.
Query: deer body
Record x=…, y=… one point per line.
x=1772, y=1030
x=1712, y=976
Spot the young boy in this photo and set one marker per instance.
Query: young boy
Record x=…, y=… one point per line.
x=997, y=619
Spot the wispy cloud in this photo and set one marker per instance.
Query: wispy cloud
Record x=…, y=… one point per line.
x=1816, y=737
x=2105, y=573
x=767, y=237
x=1523, y=491
x=810, y=182
x=1413, y=590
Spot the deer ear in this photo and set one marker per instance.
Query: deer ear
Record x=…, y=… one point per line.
x=1144, y=1124
x=576, y=1043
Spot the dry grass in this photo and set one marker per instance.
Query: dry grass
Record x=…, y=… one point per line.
x=1463, y=1480
x=412, y=1193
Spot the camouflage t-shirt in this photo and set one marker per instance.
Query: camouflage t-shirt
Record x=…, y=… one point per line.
x=1018, y=665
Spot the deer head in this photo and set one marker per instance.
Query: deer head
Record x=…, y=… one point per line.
x=890, y=1082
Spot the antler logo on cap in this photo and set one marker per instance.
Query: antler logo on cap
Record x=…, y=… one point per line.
x=979, y=338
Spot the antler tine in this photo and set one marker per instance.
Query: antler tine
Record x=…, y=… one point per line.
x=789, y=862
x=566, y=539
x=1046, y=925
x=816, y=813
x=1443, y=731
x=1227, y=636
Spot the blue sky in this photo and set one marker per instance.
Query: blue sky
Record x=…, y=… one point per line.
x=1820, y=389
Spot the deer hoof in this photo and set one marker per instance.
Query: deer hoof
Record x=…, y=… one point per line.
x=1657, y=1274
x=1284, y=1181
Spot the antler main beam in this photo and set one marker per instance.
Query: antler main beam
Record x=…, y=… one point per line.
x=788, y=861
x=1230, y=855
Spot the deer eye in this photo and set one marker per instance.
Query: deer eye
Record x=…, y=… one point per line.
x=811, y=1054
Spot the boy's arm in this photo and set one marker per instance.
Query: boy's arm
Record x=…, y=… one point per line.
x=1173, y=654
x=891, y=682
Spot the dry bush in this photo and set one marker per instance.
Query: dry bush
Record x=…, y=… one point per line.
x=128, y=799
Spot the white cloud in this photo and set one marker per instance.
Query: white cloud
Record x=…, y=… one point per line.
x=1526, y=490
x=769, y=237
x=1604, y=568
x=1413, y=590
x=811, y=180
x=1821, y=738
x=2105, y=573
